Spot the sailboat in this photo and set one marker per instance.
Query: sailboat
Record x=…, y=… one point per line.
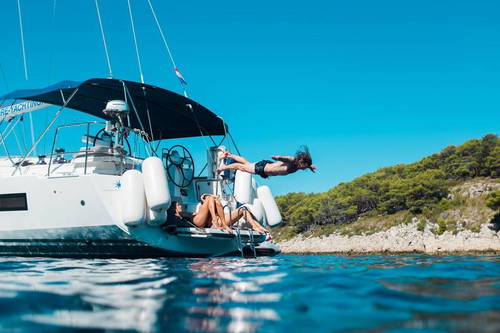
x=102, y=200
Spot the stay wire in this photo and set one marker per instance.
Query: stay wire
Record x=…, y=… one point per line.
x=17, y=142
x=22, y=39
x=234, y=144
x=166, y=44
x=51, y=57
x=47, y=128
x=135, y=41
x=103, y=39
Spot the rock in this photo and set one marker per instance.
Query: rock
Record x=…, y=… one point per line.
x=401, y=238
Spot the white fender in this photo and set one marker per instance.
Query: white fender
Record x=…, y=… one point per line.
x=156, y=217
x=273, y=214
x=155, y=184
x=243, y=187
x=254, y=189
x=257, y=210
x=133, y=201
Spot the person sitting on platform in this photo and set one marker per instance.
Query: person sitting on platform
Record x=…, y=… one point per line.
x=211, y=215
x=235, y=215
x=175, y=218
x=283, y=165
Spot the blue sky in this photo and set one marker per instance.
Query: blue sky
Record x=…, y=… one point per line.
x=364, y=84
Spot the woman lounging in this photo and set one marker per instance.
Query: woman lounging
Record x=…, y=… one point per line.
x=210, y=214
x=207, y=216
x=235, y=215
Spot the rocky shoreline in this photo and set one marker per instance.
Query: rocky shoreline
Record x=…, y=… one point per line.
x=404, y=238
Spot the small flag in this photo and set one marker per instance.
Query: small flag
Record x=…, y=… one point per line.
x=179, y=75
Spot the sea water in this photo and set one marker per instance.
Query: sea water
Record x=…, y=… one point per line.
x=287, y=293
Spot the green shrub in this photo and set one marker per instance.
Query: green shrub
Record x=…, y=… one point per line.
x=441, y=227
x=493, y=200
x=421, y=225
x=420, y=187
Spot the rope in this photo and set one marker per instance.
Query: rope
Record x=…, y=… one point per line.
x=135, y=42
x=103, y=39
x=22, y=38
x=166, y=45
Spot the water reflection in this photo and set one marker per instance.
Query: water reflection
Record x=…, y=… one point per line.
x=285, y=293
x=87, y=293
x=235, y=298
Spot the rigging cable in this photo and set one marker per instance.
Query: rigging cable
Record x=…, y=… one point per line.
x=25, y=71
x=179, y=76
x=47, y=128
x=17, y=139
x=51, y=66
x=2, y=139
x=103, y=39
x=167, y=47
x=135, y=41
x=142, y=132
x=139, y=64
x=51, y=57
x=22, y=38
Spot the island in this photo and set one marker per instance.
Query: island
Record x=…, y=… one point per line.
x=446, y=202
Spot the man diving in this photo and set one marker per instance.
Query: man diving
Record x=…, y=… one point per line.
x=282, y=166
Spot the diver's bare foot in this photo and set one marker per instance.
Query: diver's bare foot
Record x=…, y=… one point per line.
x=224, y=155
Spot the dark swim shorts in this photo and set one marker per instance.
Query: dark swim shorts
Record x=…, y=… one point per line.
x=259, y=168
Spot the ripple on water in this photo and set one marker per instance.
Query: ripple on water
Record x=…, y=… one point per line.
x=285, y=293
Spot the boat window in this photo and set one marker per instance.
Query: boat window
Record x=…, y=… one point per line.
x=13, y=201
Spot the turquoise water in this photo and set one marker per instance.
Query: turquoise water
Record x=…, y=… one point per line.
x=287, y=293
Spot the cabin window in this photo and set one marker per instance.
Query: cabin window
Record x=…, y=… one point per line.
x=13, y=201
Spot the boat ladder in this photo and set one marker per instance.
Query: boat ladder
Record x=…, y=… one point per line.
x=250, y=243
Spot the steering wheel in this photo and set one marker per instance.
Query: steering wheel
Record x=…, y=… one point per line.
x=181, y=158
x=101, y=132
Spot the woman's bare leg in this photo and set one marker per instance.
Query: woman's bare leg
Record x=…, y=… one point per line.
x=220, y=215
x=233, y=217
x=243, y=212
x=213, y=213
x=250, y=219
x=202, y=218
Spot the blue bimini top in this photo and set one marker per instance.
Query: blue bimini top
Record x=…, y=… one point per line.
x=172, y=115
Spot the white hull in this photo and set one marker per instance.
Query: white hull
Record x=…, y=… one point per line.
x=102, y=200
x=64, y=222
